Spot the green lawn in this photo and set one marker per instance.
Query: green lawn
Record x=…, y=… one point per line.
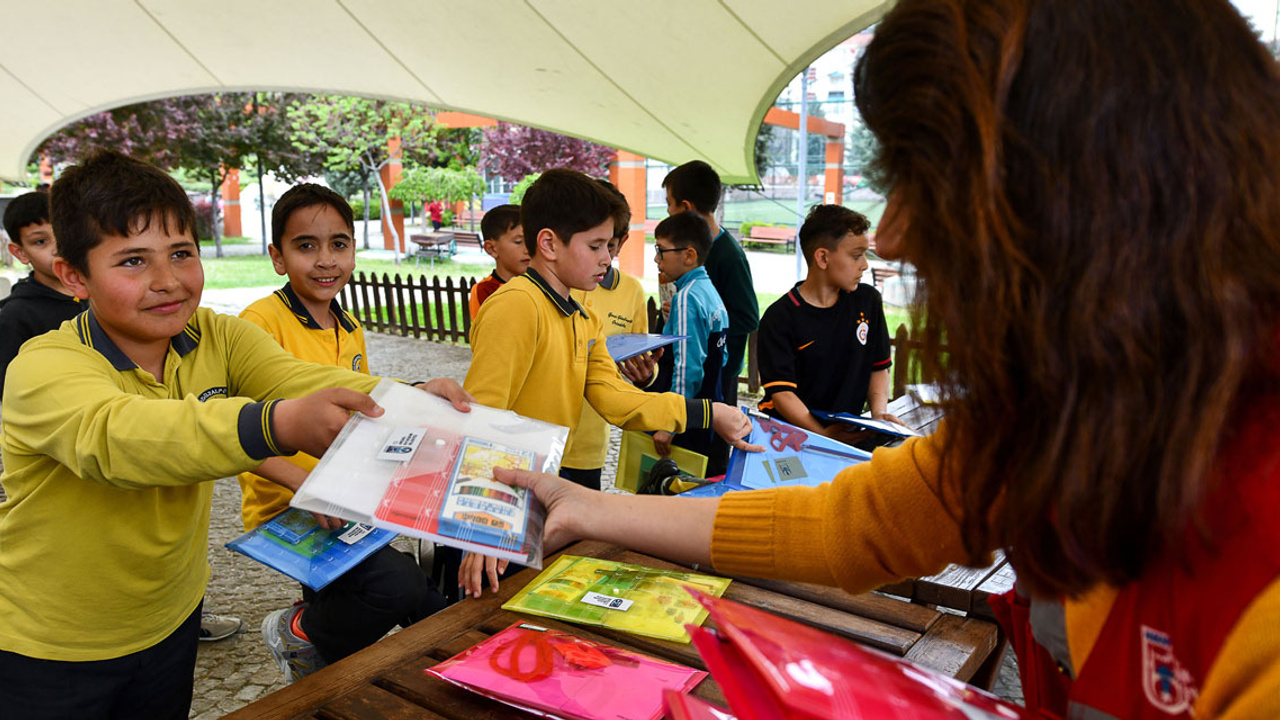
x=231, y=240
x=256, y=270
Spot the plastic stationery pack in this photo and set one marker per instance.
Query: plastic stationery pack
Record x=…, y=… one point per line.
x=293, y=543
x=628, y=345
x=426, y=470
x=770, y=668
x=792, y=456
x=633, y=598
x=556, y=674
x=637, y=455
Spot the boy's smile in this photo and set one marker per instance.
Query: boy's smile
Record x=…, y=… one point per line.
x=142, y=289
x=317, y=254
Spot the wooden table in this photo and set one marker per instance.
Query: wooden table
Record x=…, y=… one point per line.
x=432, y=245
x=387, y=680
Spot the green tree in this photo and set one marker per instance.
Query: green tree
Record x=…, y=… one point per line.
x=423, y=185
x=354, y=133
x=517, y=192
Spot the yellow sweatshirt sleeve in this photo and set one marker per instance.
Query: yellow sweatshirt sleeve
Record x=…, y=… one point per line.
x=261, y=369
x=504, y=339
x=630, y=408
x=876, y=522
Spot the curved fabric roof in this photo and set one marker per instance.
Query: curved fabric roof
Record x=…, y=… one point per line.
x=669, y=79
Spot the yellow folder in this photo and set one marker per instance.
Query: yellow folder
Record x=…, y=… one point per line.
x=637, y=454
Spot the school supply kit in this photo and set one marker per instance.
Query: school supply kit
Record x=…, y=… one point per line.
x=425, y=469
x=293, y=543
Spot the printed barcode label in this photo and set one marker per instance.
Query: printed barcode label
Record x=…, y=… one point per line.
x=355, y=533
x=402, y=444
x=607, y=601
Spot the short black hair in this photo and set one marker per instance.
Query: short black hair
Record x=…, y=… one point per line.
x=29, y=209
x=687, y=229
x=499, y=220
x=696, y=182
x=827, y=225
x=565, y=202
x=621, y=212
x=302, y=196
x=110, y=193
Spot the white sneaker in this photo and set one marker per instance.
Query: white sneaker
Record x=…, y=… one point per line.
x=297, y=658
x=217, y=627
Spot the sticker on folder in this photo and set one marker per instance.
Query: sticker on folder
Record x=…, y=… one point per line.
x=634, y=598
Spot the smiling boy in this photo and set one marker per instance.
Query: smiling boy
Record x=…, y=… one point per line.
x=311, y=242
x=536, y=351
x=825, y=344
x=39, y=302
x=114, y=427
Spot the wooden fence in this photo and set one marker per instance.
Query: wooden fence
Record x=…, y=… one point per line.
x=437, y=310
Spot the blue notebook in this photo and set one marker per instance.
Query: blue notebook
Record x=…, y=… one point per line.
x=628, y=345
x=791, y=456
x=865, y=423
x=293, y=543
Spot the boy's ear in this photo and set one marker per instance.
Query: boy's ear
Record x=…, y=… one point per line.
x=277, y=259
x=547, y=243
x=19, y=252
x=821, y=257
x=71, y=278
x=490, y=247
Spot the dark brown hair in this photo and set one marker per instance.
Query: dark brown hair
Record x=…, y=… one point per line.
x=687, y=230
x=565, y=202
x=697, y=182
x=498, y=221
x=113, y=194
x=1093, y=213
x=827, y=225
x=621, y=210
x=305, y=195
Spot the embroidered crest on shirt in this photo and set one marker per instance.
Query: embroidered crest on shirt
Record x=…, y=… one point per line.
x=1168, y=685
x=355, y=362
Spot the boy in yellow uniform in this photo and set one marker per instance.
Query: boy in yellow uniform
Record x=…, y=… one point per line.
x=113, y=427
x=619, y=303
x=536, y=351
x=311, y=231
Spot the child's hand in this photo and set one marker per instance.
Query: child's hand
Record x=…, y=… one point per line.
x=450, y=390
x=733, y=425
x=473, y=570
x=662, y=442
x=310, y=423
x=566, y=504
x=639, y=369
x=887, y=418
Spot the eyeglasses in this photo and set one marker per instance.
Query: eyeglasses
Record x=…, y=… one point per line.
x=661, y=250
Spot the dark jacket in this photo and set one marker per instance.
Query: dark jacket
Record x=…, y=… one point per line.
x=31, y=309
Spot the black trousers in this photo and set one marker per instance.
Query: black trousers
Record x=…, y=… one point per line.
x=356, y=610
x=734, y=352
x=153, y=683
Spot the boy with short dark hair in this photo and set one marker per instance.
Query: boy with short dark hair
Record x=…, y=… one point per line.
x=696, y=186
x=504, y=241
x=619, y=302
x=311, y=243
x=114, y=426
x=39, y=302
x=536, y=351
x=825, y=344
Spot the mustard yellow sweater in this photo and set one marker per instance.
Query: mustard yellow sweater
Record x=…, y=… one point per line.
x=889, y=519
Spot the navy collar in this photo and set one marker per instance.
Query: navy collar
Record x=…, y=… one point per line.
x=611, y=279
x=566, y=306
x=92, y=335
x=294, y=303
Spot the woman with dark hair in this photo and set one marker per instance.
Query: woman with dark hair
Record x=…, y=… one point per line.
x=1090, y=192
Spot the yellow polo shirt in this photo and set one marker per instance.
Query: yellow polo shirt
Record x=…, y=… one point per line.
x=538, y=353
x=105, y=535
x=619, y=304
x=286, y=319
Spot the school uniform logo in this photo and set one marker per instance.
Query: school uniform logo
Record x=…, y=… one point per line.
x=1167, y=685
x=355, y=362
x=212, y=392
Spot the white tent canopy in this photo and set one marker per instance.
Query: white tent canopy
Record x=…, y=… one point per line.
x=673, y=80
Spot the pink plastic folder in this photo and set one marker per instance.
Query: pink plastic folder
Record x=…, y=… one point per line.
x=555, y=674
x=770, y=669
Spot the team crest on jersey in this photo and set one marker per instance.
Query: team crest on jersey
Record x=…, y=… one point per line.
x=355, y=362
x=863, y=331
x=212, y=392
x=1168, y=685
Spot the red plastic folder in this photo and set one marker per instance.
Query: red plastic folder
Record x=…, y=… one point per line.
x=770, y=668
x=555, y=674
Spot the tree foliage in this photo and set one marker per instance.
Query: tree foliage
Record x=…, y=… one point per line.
x=514, y=151
x=517, y=192
x=435, y=183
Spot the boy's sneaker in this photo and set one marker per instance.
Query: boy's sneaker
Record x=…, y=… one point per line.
x=297, y=658
x=217, y=627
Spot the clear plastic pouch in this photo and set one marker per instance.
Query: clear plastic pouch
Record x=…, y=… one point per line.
x=426, y=470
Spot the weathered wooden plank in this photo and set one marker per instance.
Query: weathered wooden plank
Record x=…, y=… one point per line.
x=998, y=583
x=411, y=682
x=437, y=299
x=954, y=587
x=683, y=653
x=873, y=606
x=956, y=646
x=370, y=702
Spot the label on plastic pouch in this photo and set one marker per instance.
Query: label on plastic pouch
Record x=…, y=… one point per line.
x=402, y=444
x=608, y=602
x=355, y=533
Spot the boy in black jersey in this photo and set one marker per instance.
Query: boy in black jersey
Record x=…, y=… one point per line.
x=825, y=344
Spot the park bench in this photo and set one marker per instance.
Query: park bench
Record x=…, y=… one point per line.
x=467, y=237
x=772, y=236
